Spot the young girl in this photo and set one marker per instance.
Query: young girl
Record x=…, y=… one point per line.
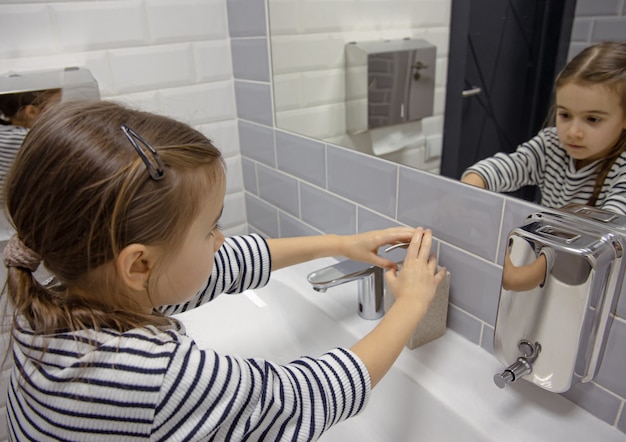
x=18, y=112
x=583, y=159
x=122, y=207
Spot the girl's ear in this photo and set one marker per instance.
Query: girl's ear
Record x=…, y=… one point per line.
x=31, y=112
x=133, y=266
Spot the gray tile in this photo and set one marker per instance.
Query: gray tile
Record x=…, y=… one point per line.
x=597, y=7
x=595, y=400
x=250, y=59
x=460, y=214
x=621, y=423
x=611, y=372
x=515, y=213
x=474, y=283
x=487, y=339
x=249, y=176
x=290, y=226
x=246, y=18
x=279, y=189
x=464, y=324
x=326, y=212
x=609, y=29
x=262, y=217
x=257, y=142
x=363, y=179
x=575, y=48
x=302, y=157
x=368, y=220
x=254, y=102
x=581, y=30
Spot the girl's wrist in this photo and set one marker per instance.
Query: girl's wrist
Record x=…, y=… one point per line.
x=412, y=309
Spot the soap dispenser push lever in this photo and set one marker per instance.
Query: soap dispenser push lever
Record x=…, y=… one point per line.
x=522, y=366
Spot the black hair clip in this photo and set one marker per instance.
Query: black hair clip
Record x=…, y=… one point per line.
x=157, y=171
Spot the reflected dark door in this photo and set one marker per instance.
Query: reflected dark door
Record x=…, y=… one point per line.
x=503, y=58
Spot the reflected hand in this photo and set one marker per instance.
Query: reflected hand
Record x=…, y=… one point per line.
x=526, y=277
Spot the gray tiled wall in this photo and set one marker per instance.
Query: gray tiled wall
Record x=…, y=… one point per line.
x=596, y=21
x=299, y=186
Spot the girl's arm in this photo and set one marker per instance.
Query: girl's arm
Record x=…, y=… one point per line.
x=414, y=288
x=359, y=247
x=474, y=179
x=524, y=278
x=507, y=172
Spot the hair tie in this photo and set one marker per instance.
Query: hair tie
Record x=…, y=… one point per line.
x=17, y=254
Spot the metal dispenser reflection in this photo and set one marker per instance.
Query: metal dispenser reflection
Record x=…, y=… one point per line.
x=554, y=334
x=389, y=82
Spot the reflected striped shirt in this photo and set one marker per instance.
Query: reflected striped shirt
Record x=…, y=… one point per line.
x=11, y=138
x=543, y=162
x=156, y=384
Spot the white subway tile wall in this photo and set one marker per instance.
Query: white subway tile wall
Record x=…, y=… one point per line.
x=166, y=56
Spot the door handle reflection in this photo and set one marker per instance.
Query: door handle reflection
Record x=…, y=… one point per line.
x=471, y=92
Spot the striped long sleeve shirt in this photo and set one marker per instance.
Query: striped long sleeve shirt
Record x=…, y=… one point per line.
x=11, y=138
x=543, y=162
x=156, y=384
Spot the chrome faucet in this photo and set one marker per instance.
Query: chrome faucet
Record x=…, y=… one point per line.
x=522, y=366
x=370, y=284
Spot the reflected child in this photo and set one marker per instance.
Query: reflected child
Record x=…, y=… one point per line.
x=581, y=157
x=18, y=112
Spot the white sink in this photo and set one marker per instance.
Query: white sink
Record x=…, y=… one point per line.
x=442, y=391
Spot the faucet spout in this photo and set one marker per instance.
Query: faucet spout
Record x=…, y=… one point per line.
x=370, y=288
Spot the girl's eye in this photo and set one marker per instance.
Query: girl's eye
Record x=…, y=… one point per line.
x=563, y=115
x=593, y=119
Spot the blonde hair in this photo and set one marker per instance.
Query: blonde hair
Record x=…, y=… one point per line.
x=602, y=64
x=78, y=193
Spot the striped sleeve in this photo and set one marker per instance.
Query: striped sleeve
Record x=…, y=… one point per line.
x=11, y=138
x=242, y=263
x=613, y=195
x=526, y=166
x=230, y=398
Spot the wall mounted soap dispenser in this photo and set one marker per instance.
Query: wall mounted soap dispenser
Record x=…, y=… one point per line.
x=554, y=334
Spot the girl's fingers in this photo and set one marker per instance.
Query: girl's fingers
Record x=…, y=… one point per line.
x=416, y=241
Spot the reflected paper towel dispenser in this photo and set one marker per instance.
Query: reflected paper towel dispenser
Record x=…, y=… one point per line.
x=76, y=83
x=389, y=82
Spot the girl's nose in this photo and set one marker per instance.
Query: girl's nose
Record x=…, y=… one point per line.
x=575, y=129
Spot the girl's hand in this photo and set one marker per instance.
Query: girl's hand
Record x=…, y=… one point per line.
x=414, y=288
x=364, y=246
x=418, y=279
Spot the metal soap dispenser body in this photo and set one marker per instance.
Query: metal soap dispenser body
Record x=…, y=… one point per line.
x=554, y=334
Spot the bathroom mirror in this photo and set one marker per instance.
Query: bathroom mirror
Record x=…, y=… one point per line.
x=308, y=49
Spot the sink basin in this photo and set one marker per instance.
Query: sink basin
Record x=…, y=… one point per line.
x=276, y=324
x=441, y=391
